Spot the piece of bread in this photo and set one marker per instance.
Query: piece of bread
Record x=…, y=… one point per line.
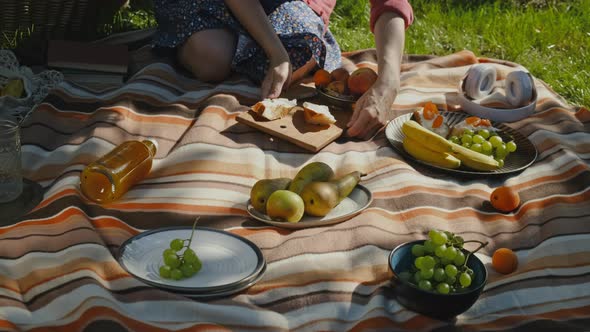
x=273, y=109
x=317, y=114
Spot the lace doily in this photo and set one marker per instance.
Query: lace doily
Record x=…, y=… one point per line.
x=36, y=86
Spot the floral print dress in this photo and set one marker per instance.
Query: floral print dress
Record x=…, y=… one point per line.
x=300, y=29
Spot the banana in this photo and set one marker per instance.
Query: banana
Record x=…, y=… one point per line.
x=14, y=88
x=472, y=159
x=422, y=152
x=426, y=137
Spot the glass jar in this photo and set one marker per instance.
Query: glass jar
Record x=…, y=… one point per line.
x=11, y=184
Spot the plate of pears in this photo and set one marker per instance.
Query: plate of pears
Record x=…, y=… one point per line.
x=314, y=197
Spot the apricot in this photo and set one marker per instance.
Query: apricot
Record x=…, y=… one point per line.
x=361, y=80
x=340, y=74
x=321, y=78
x=504, y=199
x=338, y=86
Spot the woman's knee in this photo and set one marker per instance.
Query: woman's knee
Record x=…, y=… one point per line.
x=208, y=54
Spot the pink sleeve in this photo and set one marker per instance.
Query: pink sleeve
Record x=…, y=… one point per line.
x=401, y=7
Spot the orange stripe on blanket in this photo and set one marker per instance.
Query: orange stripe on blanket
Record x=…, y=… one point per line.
x=127, y=113
x=66, y=214
x=471, y=212
x=63, y=215
x=106, y=313
x=516, y=320
x=583, y=114
x=178, y=207
x=412, y=189
x=413, y=324
x=269, y=229
x=56, y=196
x=109, y=271
x=8, y=325
x=552, y=178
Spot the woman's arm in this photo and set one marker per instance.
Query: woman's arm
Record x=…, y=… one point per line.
x=372, y=111
x=252, y=16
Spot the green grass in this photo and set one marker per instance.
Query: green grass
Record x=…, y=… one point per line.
x=550, y=38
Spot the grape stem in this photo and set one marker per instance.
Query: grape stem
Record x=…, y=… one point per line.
x=481, y=245
x=192, y=232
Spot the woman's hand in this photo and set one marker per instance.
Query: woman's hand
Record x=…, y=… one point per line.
x=278, y=76
x=373, y=110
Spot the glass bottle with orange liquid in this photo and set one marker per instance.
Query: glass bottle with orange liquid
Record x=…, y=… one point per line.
x=109, y=177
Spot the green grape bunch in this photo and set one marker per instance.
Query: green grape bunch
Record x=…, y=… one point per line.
x=487, y=142
x=179, y=265
x=440, y=264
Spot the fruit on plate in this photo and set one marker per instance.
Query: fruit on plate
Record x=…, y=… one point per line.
x=285, y=205
x=179, y=265
x=435, y=142
x=321, y=78
x=273, y=109
x=440, y=263
x=14, y=88
x=487, y=142
x=361, y=80
x=262, y=189
x=422, y=152
x=341, y=83
x=314, y=171
x=472, y=159
x=320, y=197
x=317, y=114
x=429, y=117
x=472, y=123
x=426, y=137
x=340, y=74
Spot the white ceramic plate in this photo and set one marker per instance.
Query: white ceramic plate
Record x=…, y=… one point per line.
x=227, y=292
x=358, y=200
x=228, y=261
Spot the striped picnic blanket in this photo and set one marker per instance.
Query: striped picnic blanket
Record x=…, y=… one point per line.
x=58, y=270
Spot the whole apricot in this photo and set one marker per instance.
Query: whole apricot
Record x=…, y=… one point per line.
x=504, y=261
x=340, y=74
x=321, y=78
x=361, y=80
x=504, y=199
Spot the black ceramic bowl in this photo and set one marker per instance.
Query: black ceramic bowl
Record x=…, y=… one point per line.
x=430, y=303
x=335, y=100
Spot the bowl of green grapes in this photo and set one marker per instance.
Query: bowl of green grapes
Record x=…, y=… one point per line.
x=437, y=277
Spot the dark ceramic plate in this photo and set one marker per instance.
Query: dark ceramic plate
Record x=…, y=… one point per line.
x=339, y=101
x=517, y=161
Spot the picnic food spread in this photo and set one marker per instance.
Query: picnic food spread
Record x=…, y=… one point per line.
x=73, y=265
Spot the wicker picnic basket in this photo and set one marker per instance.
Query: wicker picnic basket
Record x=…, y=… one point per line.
x=54, y=19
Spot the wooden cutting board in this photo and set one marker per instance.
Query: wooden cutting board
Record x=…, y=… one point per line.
x=294, y=129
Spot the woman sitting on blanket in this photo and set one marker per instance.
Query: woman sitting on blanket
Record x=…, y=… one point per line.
x=277, y=42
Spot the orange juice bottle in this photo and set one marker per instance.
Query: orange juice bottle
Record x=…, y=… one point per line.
x=109, y=177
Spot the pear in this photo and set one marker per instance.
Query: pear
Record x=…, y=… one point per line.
x=315, y=171
x=321, y=197
x=262, y=189
x=285, y=205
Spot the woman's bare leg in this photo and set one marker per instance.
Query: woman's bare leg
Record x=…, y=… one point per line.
x=208, y=54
